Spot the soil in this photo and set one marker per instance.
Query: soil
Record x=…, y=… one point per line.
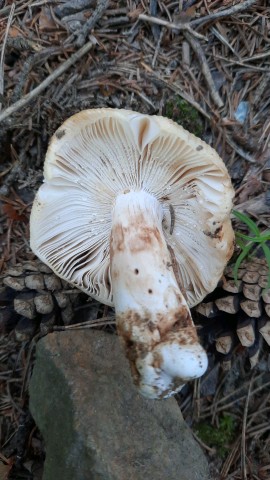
x=207, y=67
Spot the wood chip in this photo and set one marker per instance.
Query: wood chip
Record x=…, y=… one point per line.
x=228, y=304
x=252, y=291
x=251, y=308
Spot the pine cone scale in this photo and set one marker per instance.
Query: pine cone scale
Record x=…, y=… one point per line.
x=35, y=299
x=241, y=310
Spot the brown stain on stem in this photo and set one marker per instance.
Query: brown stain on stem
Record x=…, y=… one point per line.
x=137, y=237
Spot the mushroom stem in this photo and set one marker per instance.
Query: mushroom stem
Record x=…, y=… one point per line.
x=152, y=315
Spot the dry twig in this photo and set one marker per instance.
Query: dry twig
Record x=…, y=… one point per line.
x=205, y=69
x=86, y=29
x=185, y=27
x=11, y=177
x=199, y=22
x=243, y=436
x=11, y=13
x=176, y=89
x=153, y=13
x=43, y=85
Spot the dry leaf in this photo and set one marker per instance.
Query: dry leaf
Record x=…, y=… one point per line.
x=14, y=32
x=12, y=213
x=106, y=90
x=46, y=21
x=185, y=16
x=251, y=187
x=191, y=11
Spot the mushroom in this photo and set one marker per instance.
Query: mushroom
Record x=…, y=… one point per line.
x=135, y=211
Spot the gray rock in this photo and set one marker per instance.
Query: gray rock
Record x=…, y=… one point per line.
x=95, y=424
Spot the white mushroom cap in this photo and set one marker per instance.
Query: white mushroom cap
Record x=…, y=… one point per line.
x=98, y=154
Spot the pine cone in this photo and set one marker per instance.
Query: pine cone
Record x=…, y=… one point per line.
x=238, y=312
x=33, y=298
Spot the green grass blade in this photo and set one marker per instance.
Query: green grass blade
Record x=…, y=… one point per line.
x=240, y=259
x=240, y=243
x=245, y=219
x=266, y=251
x=250, y=239
x=260, y=239
x=265, y=237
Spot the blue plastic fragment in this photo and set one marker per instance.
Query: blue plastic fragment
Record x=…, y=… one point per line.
x=242, y=112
